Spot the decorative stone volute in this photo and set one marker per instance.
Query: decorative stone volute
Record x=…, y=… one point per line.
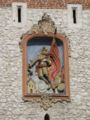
x=45, y=25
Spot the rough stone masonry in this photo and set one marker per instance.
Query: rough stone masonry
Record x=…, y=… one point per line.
x=12, y=107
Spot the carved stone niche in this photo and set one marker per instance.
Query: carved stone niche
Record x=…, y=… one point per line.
x=45, y=75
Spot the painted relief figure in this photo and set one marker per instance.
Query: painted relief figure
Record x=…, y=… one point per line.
x=45, y=67
x=43, y=63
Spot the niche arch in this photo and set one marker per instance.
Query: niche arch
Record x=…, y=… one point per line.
x=29, y=46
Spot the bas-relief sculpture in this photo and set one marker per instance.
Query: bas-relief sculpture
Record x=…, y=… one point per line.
x=45, y=69
x=45, y=64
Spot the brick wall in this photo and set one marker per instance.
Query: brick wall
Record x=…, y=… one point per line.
x=47, y=3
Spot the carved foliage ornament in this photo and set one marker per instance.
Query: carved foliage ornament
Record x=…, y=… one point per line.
x=46, y=101
x=45, y=25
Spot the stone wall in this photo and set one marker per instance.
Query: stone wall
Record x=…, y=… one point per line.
x=12, y=107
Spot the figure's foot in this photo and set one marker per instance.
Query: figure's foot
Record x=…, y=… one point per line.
x=49, y=87
x=53, y=90
x=46, y=77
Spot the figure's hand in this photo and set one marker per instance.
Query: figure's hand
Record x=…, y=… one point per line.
x=31, y=61
x=29, y=66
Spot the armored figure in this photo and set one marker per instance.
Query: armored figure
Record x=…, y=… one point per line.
x=42, y=63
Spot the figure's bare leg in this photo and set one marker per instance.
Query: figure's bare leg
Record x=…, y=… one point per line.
x=45, y=74
x=43, y=78
x=47, y=78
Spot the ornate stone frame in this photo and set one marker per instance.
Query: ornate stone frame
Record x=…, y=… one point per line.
x=45, y=100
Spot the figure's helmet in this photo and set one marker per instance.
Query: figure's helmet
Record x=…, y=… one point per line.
x=44, y=50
